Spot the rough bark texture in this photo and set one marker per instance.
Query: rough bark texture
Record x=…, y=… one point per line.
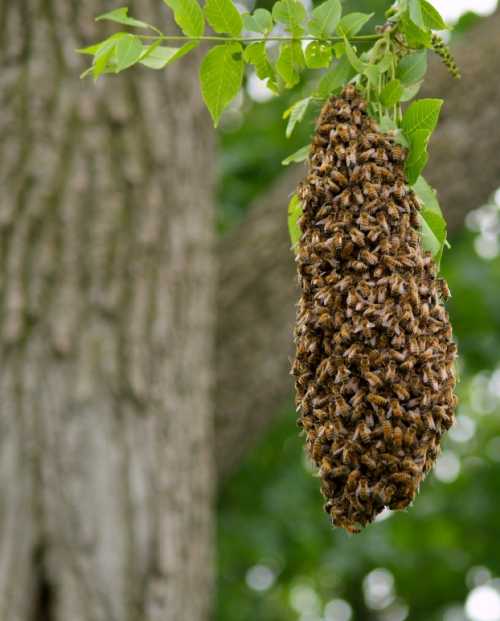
x=257, y=294
x=106, y=313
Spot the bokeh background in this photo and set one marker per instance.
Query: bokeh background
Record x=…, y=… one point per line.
x=278, y=558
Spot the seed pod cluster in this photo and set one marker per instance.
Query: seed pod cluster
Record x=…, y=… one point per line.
x=374, y=366
x=443, y=51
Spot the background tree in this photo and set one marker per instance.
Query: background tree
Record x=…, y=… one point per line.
x=107, y=310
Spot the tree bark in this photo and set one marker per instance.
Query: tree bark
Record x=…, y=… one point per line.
x=106, y=328
x=257, y=292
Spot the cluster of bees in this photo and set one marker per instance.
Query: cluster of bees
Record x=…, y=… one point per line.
x=374, y=367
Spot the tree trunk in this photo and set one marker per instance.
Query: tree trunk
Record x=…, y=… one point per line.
x=106, y=324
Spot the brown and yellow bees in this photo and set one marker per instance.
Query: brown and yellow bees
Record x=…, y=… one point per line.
x=374, y=366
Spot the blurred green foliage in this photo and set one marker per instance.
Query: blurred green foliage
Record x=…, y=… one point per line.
x=279, y=559
x=270, y=512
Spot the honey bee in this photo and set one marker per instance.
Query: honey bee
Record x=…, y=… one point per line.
x=367, y=155
x=345, y=198
x=345, y=113
x=363, y=491
x=429, y=422
x=358, y=398
x=402, y=477
x=326, y=467
x=398, y=153
x=339, y=472
x=391, y=262
x=407, y=313
x=317, y=450
x=383, y=222
x=372, y=378
x=342, y=374
x=390, y=461
x=352, y=480
x=367, y=461
x=443, y=288
x=381, y=157
x=413, y=291
x=369, y=257
x=357, y=237
x=396, y=409
x=345, y=332
x=410, y=437
x=392, y=210
x=340, y=152
x=397, y=437
x=382, y=294
x=387, y=431
x=390, y=371
x=356, y=174
x=376, y=400
x=347, y=250
x=358, y=196
x=359, y=266
x=351, y=157
x=341, y=407
x=339, y=178
x=399, y=190
x=357, y=117
x=409, y=364
x=401, y=392
x=344, y=284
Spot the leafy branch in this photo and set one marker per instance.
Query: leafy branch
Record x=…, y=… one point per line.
x=387, y=66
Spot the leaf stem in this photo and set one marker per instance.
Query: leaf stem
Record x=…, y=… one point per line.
x=254, y=39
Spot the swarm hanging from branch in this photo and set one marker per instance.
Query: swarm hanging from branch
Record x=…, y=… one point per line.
x=374, y=367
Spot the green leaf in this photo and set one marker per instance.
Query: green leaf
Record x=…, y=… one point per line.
x=411, y=91
x=353, y=58
x=188, y=16
x=352, y=23
x=421, y=114
x=412, y=68
x=391, y=93
x=102, y=58
x=299, y=156
x=386, y=62
x=291, y=13
x=294, y=214
x=295, y=114
x=128, y=51
x=415, y=36
x=418, y=157
x=223, y=16
x=333, y=81
x=415, y=12
x=318, y=55
x=325, y=18
x=92, y=50
x=161, y=56
x=290, y=63
x=260, y=21
x=120, y=16
x=221, y=75
x=432, y=17
x=256, y=54
x=372, y=72
x=432, y=219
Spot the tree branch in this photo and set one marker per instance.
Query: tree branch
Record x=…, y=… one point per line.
x=257, y=285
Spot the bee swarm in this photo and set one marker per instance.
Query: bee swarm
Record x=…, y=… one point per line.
x=374, y=367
